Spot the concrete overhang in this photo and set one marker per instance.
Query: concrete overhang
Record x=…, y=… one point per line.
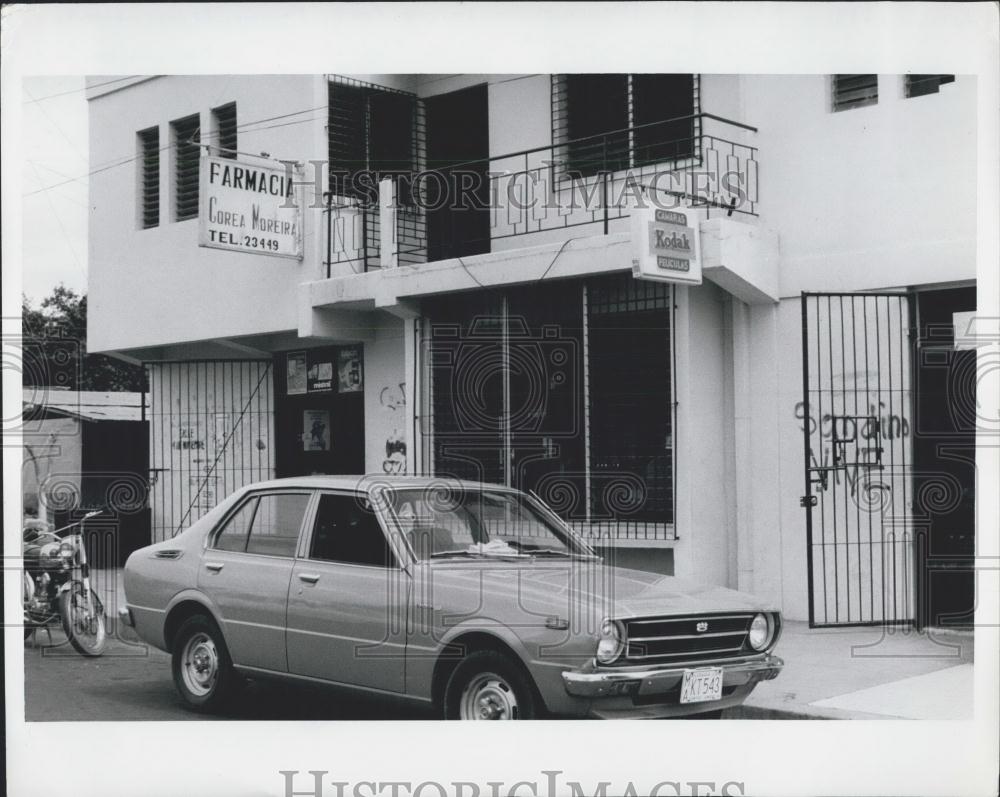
x=392, y=289
x=742, y=259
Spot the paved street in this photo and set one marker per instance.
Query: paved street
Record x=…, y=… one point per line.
x=130, y=683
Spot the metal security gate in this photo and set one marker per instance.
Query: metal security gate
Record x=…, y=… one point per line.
x=856, y=423
x=210, y=433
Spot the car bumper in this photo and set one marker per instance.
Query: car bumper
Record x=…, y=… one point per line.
x=125, y=617
x=655, y=691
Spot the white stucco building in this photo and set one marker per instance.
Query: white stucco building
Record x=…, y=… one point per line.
x=677, y=426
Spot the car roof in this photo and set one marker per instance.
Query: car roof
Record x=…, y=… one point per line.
x=368, y=482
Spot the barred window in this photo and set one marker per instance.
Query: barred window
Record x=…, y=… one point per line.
x=919, y=85
x=149, y=181
x=854, y=91
x=611, y=122
x=564, y=389
x=370, y=129
x=186, y=160
x=224, y=118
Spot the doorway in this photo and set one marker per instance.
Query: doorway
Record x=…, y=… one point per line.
x=944, y=459
x=319, y=411
x=857, y=426
x=458, y=148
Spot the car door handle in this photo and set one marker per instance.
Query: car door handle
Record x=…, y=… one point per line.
x=309, y=578
x=215, y=567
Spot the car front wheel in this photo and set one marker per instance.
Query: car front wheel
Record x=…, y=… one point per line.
x=203, y=671
x=488, y=685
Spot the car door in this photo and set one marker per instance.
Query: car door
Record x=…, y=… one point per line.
x=347, y=599
x=246, y=570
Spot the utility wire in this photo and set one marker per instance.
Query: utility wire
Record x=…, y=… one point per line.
x=62, y=229
x=77, y=91
x=242, y=128
x=59, y=130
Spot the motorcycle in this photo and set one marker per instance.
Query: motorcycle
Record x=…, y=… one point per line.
x=56, y=585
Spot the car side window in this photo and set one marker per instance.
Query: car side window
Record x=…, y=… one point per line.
x=233, y=536
x=346, y=530
x=276, y=524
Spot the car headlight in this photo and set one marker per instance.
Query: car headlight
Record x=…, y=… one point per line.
x=761, y=631
x=609, y=645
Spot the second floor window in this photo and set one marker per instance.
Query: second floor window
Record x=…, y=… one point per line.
x=854, y=91
x=919, y=85
x=224, y=119
x=186, y=162
x=373, y=131
x=611, y=122
x=149, y=180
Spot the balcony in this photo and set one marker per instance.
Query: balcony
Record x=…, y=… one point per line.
x=569, y=189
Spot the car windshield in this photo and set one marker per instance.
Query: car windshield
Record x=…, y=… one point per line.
x=444, y=523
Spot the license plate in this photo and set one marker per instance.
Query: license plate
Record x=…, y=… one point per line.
x=702, y=685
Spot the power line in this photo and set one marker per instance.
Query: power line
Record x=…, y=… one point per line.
x=243, y=128
x=62, y=229
x=77, y=91
x=59, y=130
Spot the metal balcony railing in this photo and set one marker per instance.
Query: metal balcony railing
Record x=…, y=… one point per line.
x=701, y=160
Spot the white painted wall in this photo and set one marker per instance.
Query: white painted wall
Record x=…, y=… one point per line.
x=156, y=286
x=873, y=197
x=387, y=398
x=703, y=521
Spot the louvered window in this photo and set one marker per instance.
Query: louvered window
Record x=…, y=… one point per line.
x=919, y=85
x=611, y=122
x=185, y=132
x=854, y=91
x=149, y=187
x=371, y=130
x=225, y=130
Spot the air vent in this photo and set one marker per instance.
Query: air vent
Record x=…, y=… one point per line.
x=186, y=159
x=168, y=553
x=854, y=91
x=225, y=127
x=149, y=151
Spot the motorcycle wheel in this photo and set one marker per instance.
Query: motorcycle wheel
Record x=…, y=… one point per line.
x=86, y=633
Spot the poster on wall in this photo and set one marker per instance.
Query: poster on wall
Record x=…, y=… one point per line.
x=349, y=376
x=320, y=378
x=295, y=373
x=316, y=430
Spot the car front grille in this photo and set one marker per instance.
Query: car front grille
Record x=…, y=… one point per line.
x=675, y=639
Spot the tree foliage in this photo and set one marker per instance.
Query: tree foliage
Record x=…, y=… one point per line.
x=54, y=348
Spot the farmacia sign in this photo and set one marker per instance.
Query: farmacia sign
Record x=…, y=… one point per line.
x=250, y=208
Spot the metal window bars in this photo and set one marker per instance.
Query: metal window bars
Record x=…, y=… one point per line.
x=532, y=192
x=187, y=164
x=149, y=147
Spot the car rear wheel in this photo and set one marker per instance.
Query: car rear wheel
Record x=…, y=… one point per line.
x=203, y=671
x=488, y=685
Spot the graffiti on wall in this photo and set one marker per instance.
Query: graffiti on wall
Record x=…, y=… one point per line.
x=851, y=445
x=392, y=399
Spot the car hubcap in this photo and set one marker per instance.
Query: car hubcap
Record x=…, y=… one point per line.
x=200, y=664
x=488, y=697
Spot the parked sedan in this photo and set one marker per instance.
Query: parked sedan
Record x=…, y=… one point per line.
x=475, y=598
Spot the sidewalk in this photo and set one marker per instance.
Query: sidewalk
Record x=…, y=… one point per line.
x=866, y=673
